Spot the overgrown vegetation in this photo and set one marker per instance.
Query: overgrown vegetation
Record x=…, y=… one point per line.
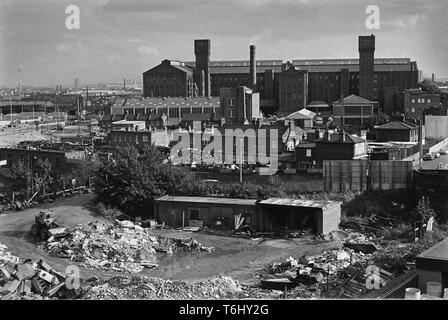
x=45, y=180
x=137, y=176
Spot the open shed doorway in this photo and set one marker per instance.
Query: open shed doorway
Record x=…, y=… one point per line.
x=292, y=219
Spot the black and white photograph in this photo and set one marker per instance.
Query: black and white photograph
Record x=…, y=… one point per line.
x=221, y=156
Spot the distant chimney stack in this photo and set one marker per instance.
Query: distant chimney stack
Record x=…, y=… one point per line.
x=202, y=53
x=253, y=68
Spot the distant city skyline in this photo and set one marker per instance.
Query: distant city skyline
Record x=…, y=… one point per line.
x=123, y=38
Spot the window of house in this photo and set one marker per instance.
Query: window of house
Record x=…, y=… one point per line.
x=145, y=138
x=232, y=113
x=231, y=101
x=308, y=152
x=194, y=214
x=413, y=100
x=413, y=109
x=429, y=100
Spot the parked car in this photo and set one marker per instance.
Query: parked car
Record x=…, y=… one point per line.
x=428, y=156
x=437, y=154
x=444, y=151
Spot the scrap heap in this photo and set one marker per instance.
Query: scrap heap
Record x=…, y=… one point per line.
x=155, y=288
x=126, y=247
x=31, y=281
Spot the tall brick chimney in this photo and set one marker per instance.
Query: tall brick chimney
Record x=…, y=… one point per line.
x=253, y=68
x=202, y=53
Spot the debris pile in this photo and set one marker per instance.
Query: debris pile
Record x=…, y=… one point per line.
x=126, y=247
x=32, y=281
x=308, y=276
x=140, y=287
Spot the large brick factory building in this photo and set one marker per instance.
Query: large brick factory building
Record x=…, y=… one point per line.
x=282, y=85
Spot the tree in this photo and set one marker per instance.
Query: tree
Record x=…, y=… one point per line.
x=136, y=176
x=19, y=175
x=42, y=176
x=377, y=119
x=429, y=86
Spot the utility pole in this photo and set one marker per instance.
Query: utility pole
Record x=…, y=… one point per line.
x=420, y=143
x=241, y=159
x=10, y=107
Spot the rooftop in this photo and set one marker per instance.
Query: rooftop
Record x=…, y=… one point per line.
x=435, y=258
x=338, y=138
x=302, y=114
x=353, y=100
x=299, y=203
x=208, y=200
x=396, y=125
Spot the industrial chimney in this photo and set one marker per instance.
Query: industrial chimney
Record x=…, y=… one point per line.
x=202, y=52
x=253, y=68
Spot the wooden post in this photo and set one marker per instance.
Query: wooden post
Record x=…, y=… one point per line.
x=183, y=219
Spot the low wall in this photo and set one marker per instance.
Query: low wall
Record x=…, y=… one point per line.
x=439, y=145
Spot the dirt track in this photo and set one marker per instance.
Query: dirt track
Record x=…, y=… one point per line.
x=235, y=257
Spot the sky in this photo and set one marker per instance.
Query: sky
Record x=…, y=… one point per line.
x=123, y=38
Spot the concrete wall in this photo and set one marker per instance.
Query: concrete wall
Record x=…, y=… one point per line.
x=436, y=127
x=331, y=217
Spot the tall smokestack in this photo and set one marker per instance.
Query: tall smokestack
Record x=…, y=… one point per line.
x=366, y=47
x=253, y=68
x=202, y=52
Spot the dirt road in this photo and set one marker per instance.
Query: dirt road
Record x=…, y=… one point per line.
x=235, y=257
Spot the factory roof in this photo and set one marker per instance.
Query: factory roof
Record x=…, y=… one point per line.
x=175, y=101
x=299, y=203
x=208, y=200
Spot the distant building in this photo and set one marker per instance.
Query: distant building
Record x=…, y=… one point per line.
x=352, y=110
x=303, y=118
x=293, y=89
x=168, y=79
x=397, y=131
x=326, y=79
x=338, y=146
x=173, y=108
x=239, y=105
x=414, y=103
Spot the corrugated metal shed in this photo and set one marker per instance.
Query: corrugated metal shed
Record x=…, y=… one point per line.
x=299, y=203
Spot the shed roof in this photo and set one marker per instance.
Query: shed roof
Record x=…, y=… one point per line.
x=435, y=258
x=299, y=203
x=208, y=200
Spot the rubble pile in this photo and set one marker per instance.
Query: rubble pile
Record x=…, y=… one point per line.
x=126, y=247
x=140, y=287
x=32, y=281
x=310, y=275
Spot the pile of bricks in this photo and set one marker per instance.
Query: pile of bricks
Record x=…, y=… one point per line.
x=31, y=281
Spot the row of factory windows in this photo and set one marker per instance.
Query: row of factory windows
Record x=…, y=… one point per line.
x=119, y=138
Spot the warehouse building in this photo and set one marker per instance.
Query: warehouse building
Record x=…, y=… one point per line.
x=312, y=80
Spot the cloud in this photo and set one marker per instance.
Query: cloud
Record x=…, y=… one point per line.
x=148, y=50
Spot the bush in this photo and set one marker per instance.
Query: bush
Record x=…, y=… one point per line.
x=104, y=212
